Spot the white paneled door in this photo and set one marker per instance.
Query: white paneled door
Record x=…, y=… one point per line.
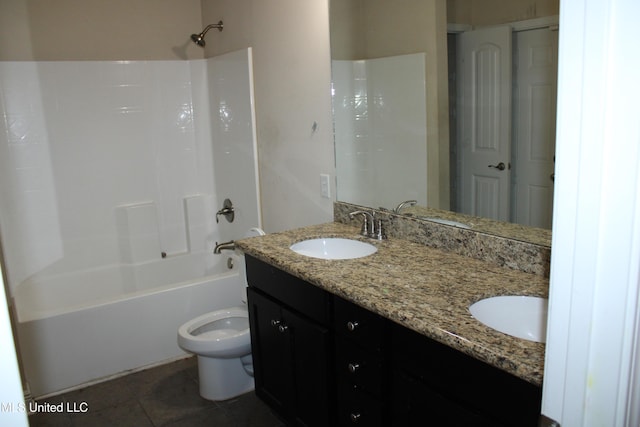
x=506, y=124
x=534, y=126
x=484, y=121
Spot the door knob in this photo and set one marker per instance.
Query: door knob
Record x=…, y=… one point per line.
x=500, y=166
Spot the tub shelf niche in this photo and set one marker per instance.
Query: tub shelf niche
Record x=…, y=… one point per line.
x=138, y=232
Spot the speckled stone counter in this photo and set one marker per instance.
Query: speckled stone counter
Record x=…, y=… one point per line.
x=533, y=235
x=425, y=289
x=503, y=244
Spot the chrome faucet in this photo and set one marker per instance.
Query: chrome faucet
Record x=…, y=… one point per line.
x=403, y=204
x=371, y=225
x=229, y=246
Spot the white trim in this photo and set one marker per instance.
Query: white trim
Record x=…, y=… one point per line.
x=11, y=393
x=595, y=266
x=458, y=28
x=534, y=24
x=633, y=403
x=552, y=22
x=254, y=135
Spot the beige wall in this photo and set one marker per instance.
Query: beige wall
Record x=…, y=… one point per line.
x=292, y=75
x=46, y=30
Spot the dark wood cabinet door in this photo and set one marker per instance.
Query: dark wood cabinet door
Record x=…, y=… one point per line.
x=291, y=359
x=271, y=353
x=310, y=345
x=415, y=404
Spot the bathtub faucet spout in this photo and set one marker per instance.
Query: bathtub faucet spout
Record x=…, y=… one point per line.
x=230, y=246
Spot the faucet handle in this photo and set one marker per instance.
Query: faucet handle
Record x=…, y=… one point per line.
x=227, y=210
x=378, y=230
x=403, y=204
x=367, y=222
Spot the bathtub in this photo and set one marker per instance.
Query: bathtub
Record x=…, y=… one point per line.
x=79, y=328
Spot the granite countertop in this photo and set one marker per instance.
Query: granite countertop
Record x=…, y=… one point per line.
x=509, y=230
x=424, y=289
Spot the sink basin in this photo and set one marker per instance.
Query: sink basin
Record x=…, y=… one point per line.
x=333, y=248
x=446, y=222
x=518, y=316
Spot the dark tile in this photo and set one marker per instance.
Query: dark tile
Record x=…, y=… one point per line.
x=249, y=411
x=121, y=415
x=102, y=395
x=171, y=400
x=165, y=376
x=44, y=419
x=209, y=417
x=164, y=396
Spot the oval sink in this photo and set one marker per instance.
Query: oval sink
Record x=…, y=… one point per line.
x=518, y=316
x=446, y=222
x=333, y=248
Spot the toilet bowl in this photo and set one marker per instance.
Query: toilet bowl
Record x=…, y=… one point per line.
x=222, y=343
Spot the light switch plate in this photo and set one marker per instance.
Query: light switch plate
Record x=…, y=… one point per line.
x=325, y=185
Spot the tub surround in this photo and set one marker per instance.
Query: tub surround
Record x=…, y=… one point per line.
x=526, y=249
x=425, y=289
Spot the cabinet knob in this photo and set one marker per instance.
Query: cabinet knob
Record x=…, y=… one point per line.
x=278, y=324
x=353, y=367
x=352, y=325
x=355, y=417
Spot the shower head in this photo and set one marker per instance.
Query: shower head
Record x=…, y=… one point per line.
x=199, y=38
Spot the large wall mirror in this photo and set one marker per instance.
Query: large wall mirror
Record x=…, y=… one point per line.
x=450, y=103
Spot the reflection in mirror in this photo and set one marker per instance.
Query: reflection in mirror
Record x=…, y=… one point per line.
x=492, y=156
x=380, y=129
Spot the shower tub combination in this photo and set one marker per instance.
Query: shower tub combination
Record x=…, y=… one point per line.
x=100, y=305
x=85, y=326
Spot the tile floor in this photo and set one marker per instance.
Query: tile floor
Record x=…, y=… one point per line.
x=163, y=396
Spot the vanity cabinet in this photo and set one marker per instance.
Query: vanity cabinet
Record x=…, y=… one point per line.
x=361, y=365
x=291, y=345
x=320, y=360
x=434, y=384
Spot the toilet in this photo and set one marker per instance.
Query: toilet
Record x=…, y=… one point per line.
x=222, y=343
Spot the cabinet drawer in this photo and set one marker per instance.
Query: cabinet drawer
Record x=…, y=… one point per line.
x=358, y=366
x=356, y=407
x=358, y=324
x=307, y=299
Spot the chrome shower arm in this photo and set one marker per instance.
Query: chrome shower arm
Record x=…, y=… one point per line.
x=219, y=26
x=199, y=38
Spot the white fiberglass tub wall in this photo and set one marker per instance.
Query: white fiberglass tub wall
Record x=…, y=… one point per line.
x=96, y=339
x=380, y=129
x=99, y=156
x=108, y=185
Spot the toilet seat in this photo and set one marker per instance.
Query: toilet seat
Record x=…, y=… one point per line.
x=222, y=333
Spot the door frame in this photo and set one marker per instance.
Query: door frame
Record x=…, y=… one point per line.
x=592, y=359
